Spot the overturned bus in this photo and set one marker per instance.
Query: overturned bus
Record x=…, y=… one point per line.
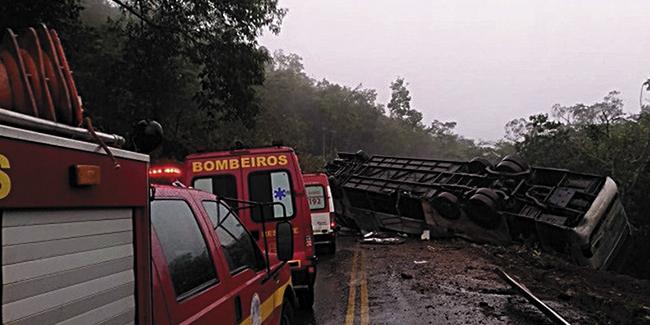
x=578, y=215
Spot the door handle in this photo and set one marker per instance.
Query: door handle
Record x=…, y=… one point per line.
x=238, y=310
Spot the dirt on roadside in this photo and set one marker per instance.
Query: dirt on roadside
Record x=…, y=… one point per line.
x=453, y=281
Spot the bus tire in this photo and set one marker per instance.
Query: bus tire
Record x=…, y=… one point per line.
x=286, y=317
x=447, y=205
x=512, y=164
x=482, y=208
x=478, y=165
x=362, y=155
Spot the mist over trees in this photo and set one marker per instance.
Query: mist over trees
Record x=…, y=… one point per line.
x=196, y=67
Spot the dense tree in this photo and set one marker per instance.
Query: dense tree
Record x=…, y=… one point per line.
x=400, y=104
x=191, y=64
x=62, y=14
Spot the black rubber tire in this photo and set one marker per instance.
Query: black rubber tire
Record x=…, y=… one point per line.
x=332, y=246
x=286, y=318
x=508, y=167
x=512, y=164
x=306, y=298
x=482, y=208
x=363, y=155
x=478, y=165
x=447, y=205
x=517, y=160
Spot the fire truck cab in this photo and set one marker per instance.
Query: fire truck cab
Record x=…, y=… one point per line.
x=269, y=174
x=321, y=204
x=207, y=268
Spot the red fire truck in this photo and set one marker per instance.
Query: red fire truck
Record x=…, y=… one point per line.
x=323, y=220
x=87, y=240
x=75, y=216
x=269, y=174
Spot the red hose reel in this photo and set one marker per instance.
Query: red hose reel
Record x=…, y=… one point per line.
x=35, y=78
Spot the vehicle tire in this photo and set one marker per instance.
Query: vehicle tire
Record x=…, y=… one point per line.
x=512, y=164
x=287, y=312
x=362, y=155
x=482, y=208
x=478, y=165
x=332, y=246
x=306, y=298
x=447, y=205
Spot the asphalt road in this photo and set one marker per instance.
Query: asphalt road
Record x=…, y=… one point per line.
x=436, y=282
x=333, y=283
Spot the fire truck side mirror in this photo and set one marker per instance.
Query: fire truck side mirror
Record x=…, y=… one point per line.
x=284, y=240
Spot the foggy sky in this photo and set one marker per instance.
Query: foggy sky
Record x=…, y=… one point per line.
x=477, y=62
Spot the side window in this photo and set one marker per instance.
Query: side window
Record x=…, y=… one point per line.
x=316, y=197
x=271, y=186
x=183, y=244
x=220, y=185
x=239, y=247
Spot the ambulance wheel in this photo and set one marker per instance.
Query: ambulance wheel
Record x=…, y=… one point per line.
x=332, y=246
x=306, y=298
x=287, y=312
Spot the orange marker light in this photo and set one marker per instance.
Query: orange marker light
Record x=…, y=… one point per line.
x=86, y=175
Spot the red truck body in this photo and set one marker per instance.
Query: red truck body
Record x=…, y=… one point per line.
x=75, y=212
x=203, y=274
x=74, y=246
x=269, y=174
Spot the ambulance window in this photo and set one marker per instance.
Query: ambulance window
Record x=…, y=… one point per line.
x=220, y=185
x=316, y=197
x=238, y=246
x=271, y=186
x=183, y=244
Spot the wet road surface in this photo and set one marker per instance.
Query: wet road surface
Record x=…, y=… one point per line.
x=433, y=282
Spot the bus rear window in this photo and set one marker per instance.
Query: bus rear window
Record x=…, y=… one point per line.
x=271, y=186
x=316, y=197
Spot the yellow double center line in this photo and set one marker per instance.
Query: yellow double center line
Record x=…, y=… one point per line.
x=358, y=278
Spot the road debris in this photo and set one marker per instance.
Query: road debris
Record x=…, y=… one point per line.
x=554, y=316
x=420, y=262
x=381, y=238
